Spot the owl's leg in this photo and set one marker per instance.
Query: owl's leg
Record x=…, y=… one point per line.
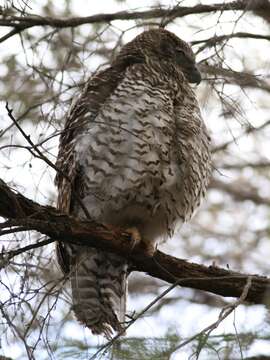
x=137, y=239
x=148, y=247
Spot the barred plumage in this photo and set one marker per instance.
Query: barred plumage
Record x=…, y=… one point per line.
x=136, y=152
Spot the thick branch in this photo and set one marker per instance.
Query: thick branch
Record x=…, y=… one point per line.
x=23, y=22
x=29, y=215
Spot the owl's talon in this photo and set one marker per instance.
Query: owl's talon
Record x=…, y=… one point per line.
x=135, y=236
x=136, y=239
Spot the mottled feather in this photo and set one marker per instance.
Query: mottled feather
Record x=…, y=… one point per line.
x=135, y=151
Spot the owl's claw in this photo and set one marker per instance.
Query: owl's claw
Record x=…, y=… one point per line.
x=136, y=239
x=135, y=236
x=149, y=248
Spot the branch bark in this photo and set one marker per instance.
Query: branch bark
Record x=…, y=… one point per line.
x=29, y=215
x=27, y=21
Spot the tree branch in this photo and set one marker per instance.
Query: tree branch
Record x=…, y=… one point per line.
x=248, y=130
x=242, y=79
x=47, y=220
x=240, y=193
x=27, y=21
x=241, y=35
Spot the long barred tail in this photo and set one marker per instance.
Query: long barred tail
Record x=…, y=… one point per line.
x=99, y=287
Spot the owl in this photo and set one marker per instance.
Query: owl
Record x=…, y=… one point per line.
x=134, y=153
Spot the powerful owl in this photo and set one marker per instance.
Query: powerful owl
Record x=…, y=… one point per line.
x=134, y=153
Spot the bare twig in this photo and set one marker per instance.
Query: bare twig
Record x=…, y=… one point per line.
x=6, y=257
x=242, y=79
x=247, y=131
x=41, y=156
x=239, y=192
x=105, y=347
x=224, y=313
x=212, y=41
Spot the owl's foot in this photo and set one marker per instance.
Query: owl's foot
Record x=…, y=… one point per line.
x=149, y=247
x=137, y=240
x=135, y=236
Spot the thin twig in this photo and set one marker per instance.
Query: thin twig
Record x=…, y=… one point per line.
x=7, y=256
x=106, y=346
x=224, y=313
x=45, y=159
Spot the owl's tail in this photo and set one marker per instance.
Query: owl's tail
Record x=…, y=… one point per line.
x=99, y=287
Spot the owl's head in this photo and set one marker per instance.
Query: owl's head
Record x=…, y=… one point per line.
x=162, y=45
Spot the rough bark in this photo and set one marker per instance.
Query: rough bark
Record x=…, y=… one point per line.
x=20, y=23
x=24, y=214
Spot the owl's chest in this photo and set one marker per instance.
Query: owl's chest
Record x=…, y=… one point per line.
x=132, y=136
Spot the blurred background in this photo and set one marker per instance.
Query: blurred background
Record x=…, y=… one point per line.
x=43, y=65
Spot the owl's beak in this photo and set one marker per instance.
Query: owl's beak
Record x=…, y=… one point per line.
x=194, y=75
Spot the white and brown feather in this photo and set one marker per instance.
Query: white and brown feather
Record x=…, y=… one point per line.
x=136, y=152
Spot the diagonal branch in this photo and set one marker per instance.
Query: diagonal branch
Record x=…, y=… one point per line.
x=10, y=34
x=29, y=215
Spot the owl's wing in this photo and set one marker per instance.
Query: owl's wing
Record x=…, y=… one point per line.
x=66, y=176
x=193, y=151
x=83, y=110
x=66, y=164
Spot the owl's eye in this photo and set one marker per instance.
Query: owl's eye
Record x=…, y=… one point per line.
x=181, y=57
x=180, y=52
